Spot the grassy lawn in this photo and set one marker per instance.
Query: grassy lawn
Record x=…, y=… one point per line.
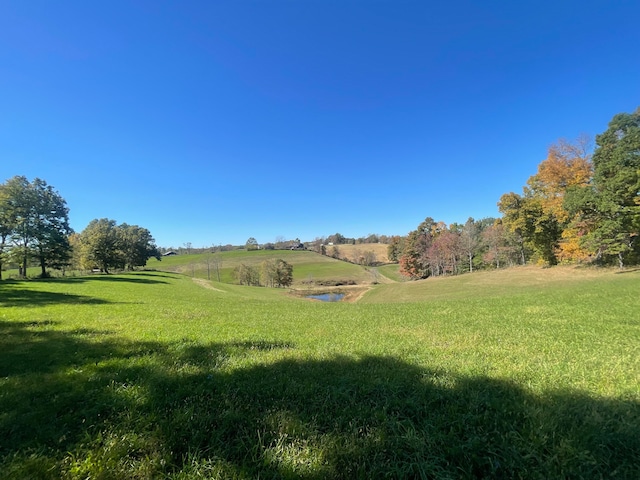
x=526, y=373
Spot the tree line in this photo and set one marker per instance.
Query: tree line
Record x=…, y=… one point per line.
x=435, y=248
x=105, y=245
x=34, y=230
x=578, y=207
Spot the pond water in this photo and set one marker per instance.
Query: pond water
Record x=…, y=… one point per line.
x=328, y=297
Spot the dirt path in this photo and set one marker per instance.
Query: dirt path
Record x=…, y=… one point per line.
x=205, y=284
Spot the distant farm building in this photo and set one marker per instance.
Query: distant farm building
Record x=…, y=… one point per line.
x=169, y=253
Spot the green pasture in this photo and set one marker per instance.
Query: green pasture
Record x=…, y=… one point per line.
x=522, y=373
x=392, y=272
x=307, y=266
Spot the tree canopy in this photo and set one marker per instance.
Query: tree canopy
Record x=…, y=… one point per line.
x=104, y=245
x=607, y=210
x=34, y=224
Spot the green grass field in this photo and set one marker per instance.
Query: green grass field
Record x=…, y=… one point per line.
x=308, y=266
x=521, y=373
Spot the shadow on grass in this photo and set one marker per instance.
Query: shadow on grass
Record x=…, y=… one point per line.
x=88, y=404
x=34, y=348
x=628, y=270
x=121, y=278
x=11, y=295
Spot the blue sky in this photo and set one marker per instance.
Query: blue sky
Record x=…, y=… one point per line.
x=210, y=122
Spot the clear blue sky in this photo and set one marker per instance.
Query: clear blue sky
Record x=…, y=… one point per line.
x=214, y=121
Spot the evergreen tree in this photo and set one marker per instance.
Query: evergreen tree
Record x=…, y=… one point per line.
x=608, y=209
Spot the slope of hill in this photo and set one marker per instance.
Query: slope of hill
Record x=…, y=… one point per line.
x=354, y=253
x=309, y=268
x=494, y=283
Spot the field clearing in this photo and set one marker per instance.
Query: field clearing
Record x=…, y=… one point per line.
x=522, y=373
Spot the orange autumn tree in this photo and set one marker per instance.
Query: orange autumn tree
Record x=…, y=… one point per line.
x=568, y=164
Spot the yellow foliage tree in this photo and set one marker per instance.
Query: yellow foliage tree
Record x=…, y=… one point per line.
x=568, y=164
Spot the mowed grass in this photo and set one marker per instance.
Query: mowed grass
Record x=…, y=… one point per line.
x=525, y=373
x=308, y=266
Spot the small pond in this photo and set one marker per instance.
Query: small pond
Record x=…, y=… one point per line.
x=328, y=297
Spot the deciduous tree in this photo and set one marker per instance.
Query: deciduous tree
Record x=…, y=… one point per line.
x=6, y=224
x=539, y=217
x=470, y=240
x=136, y=246
x=528, y=220
x=99, y=243
x=284, y=274
x=247, y=275
x=35, y=219
x=414, y=262
x=395, y=248
x=608, y=209
x=252, y=244
x=444, y=253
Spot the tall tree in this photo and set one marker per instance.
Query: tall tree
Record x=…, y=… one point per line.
x=268, y=272
x=276, y=273
x=414, y=262
x=51, y=228
x=100, y=245
x=252, y=244
x=469, y=240
x=444, y=253
x=36, y=220
x=136, y=246
x=525, y=217
x=247, y=275
x=395, y=248
x=539, y=217
x=6, y=223
x=495, y=243
x=609, y=208
x=511, y=207
x=104, y=244
x=284, y=273
x=568, y=165
x=18, y=190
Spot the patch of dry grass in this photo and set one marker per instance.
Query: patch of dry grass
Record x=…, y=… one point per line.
x=353, y=252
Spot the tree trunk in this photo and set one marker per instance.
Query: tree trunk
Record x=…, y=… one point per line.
x=620, y=261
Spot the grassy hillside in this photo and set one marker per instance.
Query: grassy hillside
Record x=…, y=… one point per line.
x=392, y=272
x=492, y=283
x=526, y=374
x=353, y=252
x=308, y=267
